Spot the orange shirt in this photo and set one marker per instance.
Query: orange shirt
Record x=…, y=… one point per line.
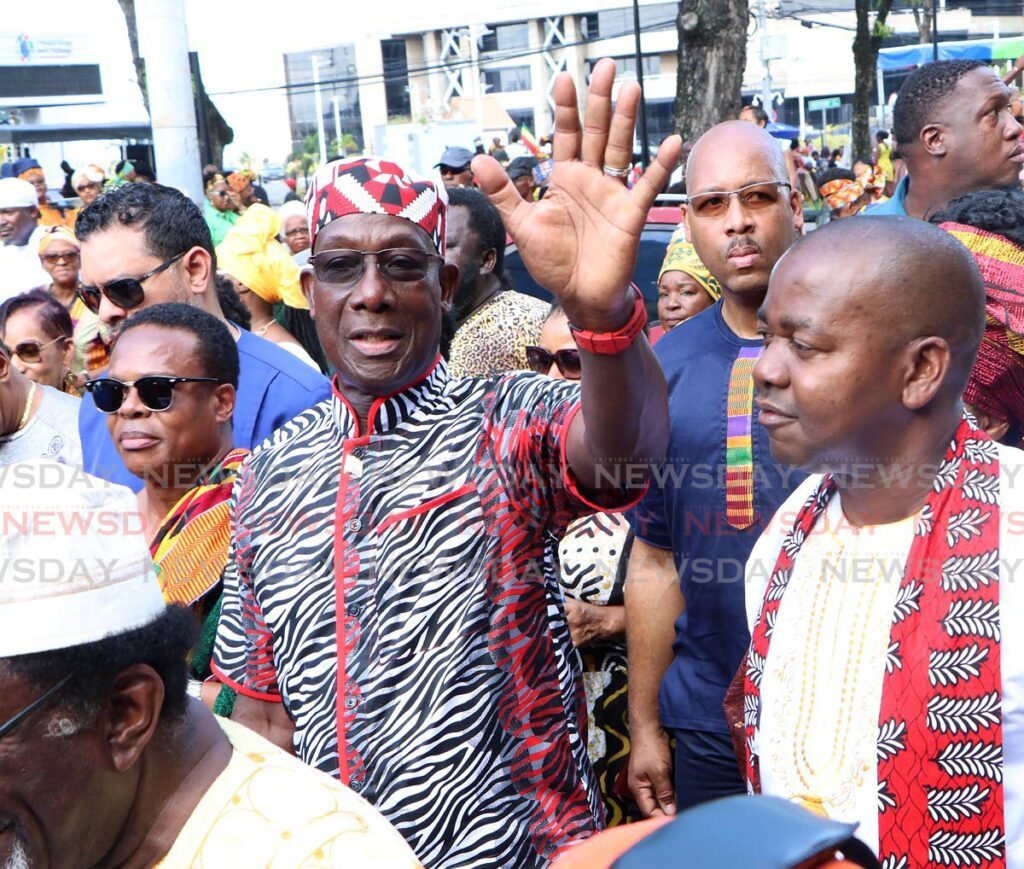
x=51, y=216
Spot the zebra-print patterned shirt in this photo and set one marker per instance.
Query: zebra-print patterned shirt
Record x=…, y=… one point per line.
x=458, y=714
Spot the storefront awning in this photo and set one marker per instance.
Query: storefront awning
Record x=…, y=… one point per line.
x=905, y=56
x=22, y=134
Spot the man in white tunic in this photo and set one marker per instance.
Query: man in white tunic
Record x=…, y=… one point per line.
x=879, y=686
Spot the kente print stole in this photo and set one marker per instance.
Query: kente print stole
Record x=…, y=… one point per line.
x=739, y=447
x=190, y=548
x=940, y=737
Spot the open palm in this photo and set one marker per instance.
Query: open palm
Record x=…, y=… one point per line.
x=581, y=240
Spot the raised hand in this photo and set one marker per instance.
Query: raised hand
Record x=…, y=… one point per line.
x=581, y=240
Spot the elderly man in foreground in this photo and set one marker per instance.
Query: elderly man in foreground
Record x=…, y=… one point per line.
x=388, y=612
x=106, y=761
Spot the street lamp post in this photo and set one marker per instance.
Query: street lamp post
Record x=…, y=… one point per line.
x=766, y=70
x=476, y=33
x=335, y=100
x=319, y=109
x=645, y=147
x=935, y=30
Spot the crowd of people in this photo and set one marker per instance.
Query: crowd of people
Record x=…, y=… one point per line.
x=325, y=545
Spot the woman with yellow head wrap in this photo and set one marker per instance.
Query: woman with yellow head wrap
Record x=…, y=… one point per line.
x=58, y=254
x=685, y=286
x=264, y=274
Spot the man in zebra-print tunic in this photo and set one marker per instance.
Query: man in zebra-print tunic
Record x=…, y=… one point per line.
x=386, y=612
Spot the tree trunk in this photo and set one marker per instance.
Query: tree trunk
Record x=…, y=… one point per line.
x=712, y=54
x=865, y=58
x=923, y=20
x=128, y=9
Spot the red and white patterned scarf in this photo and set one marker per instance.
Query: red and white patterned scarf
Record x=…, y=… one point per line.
x=940, y=737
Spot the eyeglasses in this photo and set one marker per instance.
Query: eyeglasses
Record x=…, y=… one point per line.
x=452, y=170
x=753, y=197
x=299, y=230
x=400, y=265
x=31, y=351
x=32, y=707
x=567, y=360
x=53, y=258
x=91, y=185
x=156, y=391
x=126, y=293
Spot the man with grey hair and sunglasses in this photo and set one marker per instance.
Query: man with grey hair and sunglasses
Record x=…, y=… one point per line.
x=695, y=527
x=105, y=759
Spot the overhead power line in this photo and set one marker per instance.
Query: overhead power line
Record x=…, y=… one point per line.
x=425, y=70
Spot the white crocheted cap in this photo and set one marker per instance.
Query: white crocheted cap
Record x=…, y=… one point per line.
x=74, y=563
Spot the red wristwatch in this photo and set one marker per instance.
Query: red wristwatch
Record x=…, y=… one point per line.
x=610, y=343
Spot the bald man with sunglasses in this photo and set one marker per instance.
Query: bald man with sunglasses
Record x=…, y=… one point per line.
x=146, y=244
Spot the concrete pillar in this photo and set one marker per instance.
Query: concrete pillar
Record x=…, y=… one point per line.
x=575, y=57
x=163, y=43
x=373, y=104
x=419, y=94
x=435, y=78
x=540, y=79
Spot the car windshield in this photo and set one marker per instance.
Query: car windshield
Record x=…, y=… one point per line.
x=653, y=241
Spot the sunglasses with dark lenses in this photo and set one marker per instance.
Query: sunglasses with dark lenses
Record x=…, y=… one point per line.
x=31, y=351
x=399, y=265
x=567, y=360
x=53, y=258
x=126, y=293
x=155, y=391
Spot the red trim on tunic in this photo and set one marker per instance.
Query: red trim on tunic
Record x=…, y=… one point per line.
x=378, y=402
x=569, y=478
x=268, y=696
x=426, y=505
x=339, y=616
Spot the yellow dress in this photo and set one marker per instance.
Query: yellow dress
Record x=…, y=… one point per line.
x=885, y=160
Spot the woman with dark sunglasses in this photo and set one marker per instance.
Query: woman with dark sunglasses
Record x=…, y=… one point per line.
x=590, y=559
x=218, y=210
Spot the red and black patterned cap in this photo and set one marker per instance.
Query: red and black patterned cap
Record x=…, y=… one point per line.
x=367, y=185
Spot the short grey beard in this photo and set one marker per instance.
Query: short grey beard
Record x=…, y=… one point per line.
x=19, y=856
